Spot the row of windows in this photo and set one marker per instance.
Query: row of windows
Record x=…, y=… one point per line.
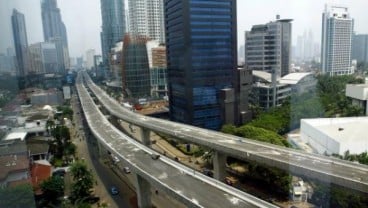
x=210, y=2
x=204, y=57
x=209, y=23
x=210, y=16
x=206, y=113
x=211, y=30
x=201, y=9
x=211, y=37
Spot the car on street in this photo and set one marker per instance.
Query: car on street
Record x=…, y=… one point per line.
x=126, y=170
x=207, y=172
x=155, y=156
x=114, y=190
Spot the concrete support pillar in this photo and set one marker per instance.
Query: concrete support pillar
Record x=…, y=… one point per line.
x=145, y=136
x=219, y=166
x=101, y=149
x=143, y=189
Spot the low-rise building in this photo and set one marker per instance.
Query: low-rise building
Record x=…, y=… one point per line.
x=50, y=97
x=40, y=171
x=38, y=148
x=14, y=168
x=267, y=92
x=359, y=95
x=336, y=135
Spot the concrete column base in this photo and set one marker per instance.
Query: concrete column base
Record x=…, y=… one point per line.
x=219, y=166
x=143, y=189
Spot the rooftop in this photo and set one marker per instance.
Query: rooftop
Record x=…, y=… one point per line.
x=12, y=147
x=36, y=146
x=293, y=78
x=263, y=75
x=16, y=136
x=349, y=130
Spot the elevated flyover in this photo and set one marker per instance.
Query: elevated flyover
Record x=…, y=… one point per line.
x=191, y=188
x=319, y=167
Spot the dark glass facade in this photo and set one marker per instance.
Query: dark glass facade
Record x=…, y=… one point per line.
x=113, y=25
x=20, y=41
x=202, y=58
x=136, y=74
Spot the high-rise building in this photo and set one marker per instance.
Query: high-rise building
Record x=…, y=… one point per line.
x=337, y=31
x=146, y=18
x=90, y=58
x=54, y=31
x=268, y=47
x=113, y=25
x=20, y=41
x=43, y=58
x=158, y=68
x=360, y=48
x=135, y=73
x=201, y=43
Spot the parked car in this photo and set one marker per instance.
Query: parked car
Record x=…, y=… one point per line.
x=59, y=172
x=114, y=190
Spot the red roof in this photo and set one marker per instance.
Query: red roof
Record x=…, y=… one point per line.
x=39, y=173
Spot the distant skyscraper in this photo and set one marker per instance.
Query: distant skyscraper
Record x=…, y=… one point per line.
x=20, y=41
x=146, y=17
x=337, y=31
x=268, y=47
x=90, y=58
x=201, y=41
x=43, y=58
x=54, y=31
x=360, y=48
x=113, y=25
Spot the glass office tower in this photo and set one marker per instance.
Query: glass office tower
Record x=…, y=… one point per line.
x=201, y=42
x=20, y=41
x=113, y=25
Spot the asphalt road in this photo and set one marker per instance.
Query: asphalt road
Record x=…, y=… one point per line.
x=104, y=176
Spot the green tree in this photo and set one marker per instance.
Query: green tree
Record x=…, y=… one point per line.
x=83, y=180
x=53, y=188
x=260, y=134
x=62, y=141
x=228, y=129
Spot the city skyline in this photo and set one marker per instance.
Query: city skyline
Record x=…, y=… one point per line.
x=84, y=28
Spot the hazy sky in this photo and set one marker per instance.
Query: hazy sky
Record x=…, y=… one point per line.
x=83, y=19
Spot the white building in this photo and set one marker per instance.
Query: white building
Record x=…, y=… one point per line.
x=90, y=58
x=146, y=17
x=336, y=135
x=359, y=95
x=337, y=32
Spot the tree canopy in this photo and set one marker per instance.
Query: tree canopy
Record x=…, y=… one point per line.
x=83, y=180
